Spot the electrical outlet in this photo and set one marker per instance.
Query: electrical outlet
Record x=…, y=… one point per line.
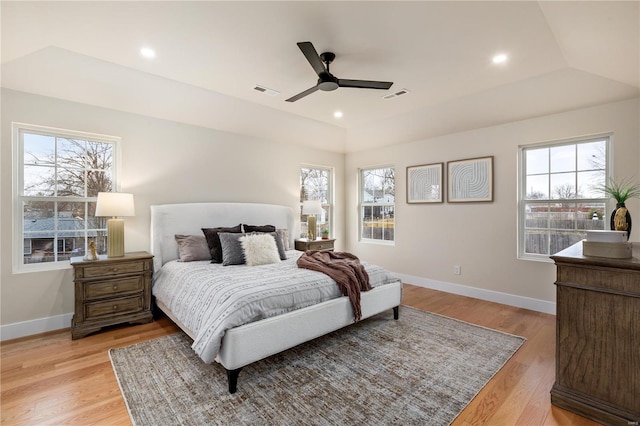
x=457, y=270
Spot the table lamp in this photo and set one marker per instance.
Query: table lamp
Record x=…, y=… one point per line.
x=115, y=204
x=311, y=208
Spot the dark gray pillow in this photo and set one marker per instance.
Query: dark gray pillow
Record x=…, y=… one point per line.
x=213, y=241
x=232, y=253
x=258, y=228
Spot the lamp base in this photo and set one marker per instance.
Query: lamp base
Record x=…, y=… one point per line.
x=312, y=228
x=115, y=237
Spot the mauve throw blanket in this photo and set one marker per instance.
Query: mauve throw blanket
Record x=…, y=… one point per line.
x=345, y=269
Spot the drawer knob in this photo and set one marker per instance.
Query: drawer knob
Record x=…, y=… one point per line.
x=115, y=286
x=114, y=269
x=115, y=307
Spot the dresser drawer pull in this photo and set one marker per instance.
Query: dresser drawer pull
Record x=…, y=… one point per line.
x=115, y=286
x=114, y=269
x=115, y=307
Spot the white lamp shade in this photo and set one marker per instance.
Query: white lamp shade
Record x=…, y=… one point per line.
x=115, y=204
x=311, y=207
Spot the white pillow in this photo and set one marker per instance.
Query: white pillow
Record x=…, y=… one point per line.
x=259, y=249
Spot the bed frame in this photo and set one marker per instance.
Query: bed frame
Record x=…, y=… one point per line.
x=252, y=342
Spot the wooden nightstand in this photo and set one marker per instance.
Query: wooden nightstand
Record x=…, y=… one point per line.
x=304, y=244
x=111, y=291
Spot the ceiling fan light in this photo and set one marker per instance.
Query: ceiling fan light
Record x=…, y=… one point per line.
x=327, y=86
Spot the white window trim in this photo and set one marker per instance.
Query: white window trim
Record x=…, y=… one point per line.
x=521, y=173
x=362, y=204
x=17, y=219
x=331, y=197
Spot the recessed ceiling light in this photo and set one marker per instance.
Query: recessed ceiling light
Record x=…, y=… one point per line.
x=148, y=52
x=337, y=114
x=499, y=59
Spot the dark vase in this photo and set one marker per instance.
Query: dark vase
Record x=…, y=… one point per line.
x=627, y=219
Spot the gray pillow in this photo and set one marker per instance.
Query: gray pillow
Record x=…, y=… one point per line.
x=192, y=248
x=284, y=236
x=232, y=253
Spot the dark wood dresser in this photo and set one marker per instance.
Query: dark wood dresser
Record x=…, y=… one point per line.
x=598, y=336
x=111, y=291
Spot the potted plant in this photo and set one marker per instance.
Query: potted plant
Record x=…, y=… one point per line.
x=621, y=191
x=325, y=234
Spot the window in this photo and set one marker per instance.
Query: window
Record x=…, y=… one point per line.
x=59, y=174
x=560, y=195
x=377, y=204
x=316, y=184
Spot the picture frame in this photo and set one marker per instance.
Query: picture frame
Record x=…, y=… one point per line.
x=425, y=183
x=470, y=180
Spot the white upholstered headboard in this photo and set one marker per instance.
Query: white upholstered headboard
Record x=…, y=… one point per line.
x=167, y=220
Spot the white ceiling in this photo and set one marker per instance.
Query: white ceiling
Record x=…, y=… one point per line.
x=209, y=56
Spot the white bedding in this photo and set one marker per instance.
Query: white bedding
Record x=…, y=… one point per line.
x=210, y=298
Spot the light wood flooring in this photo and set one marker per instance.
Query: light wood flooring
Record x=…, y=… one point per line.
x=52, y=380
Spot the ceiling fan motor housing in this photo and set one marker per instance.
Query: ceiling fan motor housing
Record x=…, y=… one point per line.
x=327, y=82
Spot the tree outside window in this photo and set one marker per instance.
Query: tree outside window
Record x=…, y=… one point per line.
x=316, y=184
x=60, y=174
x=560, y=197
x=377, y=204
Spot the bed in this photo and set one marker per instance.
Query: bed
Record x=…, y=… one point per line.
x=242, y=344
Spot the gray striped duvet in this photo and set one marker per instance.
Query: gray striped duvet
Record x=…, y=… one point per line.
x=210, y=298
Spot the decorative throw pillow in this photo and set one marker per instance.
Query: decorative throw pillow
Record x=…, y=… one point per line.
x=213, y=241
x=284, y=237
x=258, y=228
x=279, y=243
x=231, y=248
x=259, y=249
x=192, y=248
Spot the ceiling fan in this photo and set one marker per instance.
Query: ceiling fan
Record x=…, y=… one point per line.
x=326, y=80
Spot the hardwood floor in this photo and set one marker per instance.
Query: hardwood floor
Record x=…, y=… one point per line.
x=53, y=380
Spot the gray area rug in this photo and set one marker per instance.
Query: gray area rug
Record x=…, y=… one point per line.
x=422, y=369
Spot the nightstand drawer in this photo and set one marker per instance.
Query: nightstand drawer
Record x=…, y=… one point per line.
x=114, y=307
x=101, y=289
x=114, y=269
x=303, y=244
x=321, y=245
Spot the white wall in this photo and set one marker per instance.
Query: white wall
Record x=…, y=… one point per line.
x=162, y=162
x=167, y=162
x=481, y=237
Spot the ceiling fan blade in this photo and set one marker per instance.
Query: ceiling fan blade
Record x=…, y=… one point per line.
x=303, y=94
x=312, y=56
x=365, y=84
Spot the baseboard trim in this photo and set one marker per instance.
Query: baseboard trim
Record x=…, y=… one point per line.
x=57, y=322
x=482, y=294
x=40, y=325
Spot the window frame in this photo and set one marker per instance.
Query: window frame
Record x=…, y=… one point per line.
x=362, y=205
x=522, y=201
x=18, y=247
x=330, y=193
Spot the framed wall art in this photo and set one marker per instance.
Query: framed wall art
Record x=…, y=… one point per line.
x=470, y=180
x=424, y=183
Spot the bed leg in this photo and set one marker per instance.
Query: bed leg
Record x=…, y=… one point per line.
x=396, y=312
x=232, y=375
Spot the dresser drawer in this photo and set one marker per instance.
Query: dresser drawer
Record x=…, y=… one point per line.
x=119, y=268
x=101, y=289
x=113, y=307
